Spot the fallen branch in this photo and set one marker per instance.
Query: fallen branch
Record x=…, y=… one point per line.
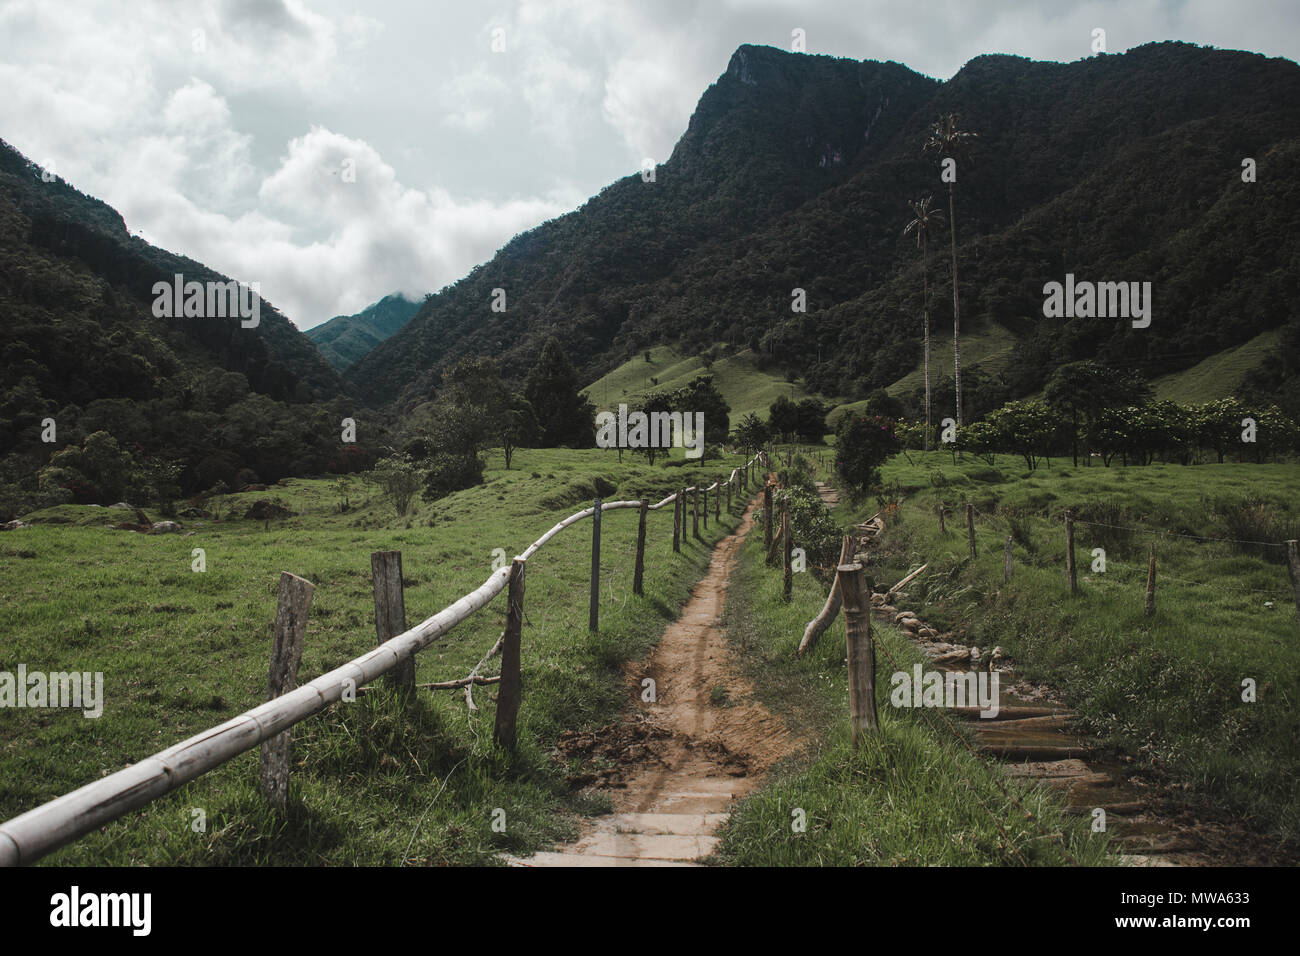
x=469, y=694
x=907, y=580
x=463, y=682
x=823, y=620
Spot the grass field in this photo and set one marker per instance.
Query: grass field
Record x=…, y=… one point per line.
x=1166, y=690
x=182, y=651
x=1218, y=376
x=745, y=386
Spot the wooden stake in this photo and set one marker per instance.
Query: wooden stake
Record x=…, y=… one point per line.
x=767, y=518
x=717, y=501
x=390, y=614
x=970, y=527
x=730, y=481
x=695, y=512
x=510, y=691
x=593, y=621
x=1006, y=563
x=942, y=529
x=705, y=491
x=639, y=569
x=817, y=626
x=861, y=652
x=1150, y=607
x=1069, y=553
x=679, y=520
x=286, y=651
x=787, y=549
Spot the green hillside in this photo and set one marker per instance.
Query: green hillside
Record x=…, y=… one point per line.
x=1218, y=376
x=745, y=386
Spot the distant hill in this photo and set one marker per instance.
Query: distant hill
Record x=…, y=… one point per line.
x=795, y=171
x=82, y=346
x=346, y=338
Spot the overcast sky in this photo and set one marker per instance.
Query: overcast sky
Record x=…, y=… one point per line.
x=228, y=130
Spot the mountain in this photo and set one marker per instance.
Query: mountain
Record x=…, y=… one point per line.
x=795, y=171
x=346, y=338
x=216, y=398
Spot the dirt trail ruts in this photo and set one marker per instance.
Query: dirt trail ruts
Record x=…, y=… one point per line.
x=673, y=768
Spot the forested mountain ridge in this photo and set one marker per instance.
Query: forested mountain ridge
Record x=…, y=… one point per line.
x=82, y=346
x=795, y=172
x=345, y=339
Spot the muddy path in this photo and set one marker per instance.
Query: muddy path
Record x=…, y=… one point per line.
x=674, y=765
x=1036, y=738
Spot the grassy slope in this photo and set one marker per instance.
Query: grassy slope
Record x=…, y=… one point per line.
x=1168, y=687
x=745, y=387
x=183, y=651
x=912, y=796
x=1218, y=376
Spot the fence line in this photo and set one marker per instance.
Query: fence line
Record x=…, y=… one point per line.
x=43, y=829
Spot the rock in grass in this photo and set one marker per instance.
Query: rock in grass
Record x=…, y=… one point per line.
x=164, y=527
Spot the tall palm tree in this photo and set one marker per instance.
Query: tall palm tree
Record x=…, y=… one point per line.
x=948, y=140
x=923, y=220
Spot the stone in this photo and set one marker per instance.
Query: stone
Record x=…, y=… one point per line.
x=164, y=527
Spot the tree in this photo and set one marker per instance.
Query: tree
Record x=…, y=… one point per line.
x=782, y=418
x=950, y=142
x=566, y=418
x=398, y=479
x=1082, y=389
x=923, y=220
x=810, y=421
x=862, y=445
x=519, y=427
x=1029, y=429
x=751, y=434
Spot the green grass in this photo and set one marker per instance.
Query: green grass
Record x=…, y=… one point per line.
x=183, y=651
x=745, y=386
x=1218, y=376
x=913, y=795
x=1166, y=690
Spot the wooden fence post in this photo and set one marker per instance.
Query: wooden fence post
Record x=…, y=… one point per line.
x=787, y=550
x=594, y=620
x=831, y=608
x=942, y=529
x=1150, y=607
x=861, y=652
x=1293, y=570
x=970, y=527
x=730, y=481
x=286, y=651
x=1069, y=552
x=679, y=520
x=390, y=614
x=695, y=512
x=509, y=690
x=717, y=501
x=639, y=569
x=767, y=518
x=705, y=490
x=1006, y=563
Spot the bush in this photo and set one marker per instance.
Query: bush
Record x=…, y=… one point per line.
x=448, y=473
x=862, y=445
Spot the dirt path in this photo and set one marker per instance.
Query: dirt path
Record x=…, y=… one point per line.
x=674, y=766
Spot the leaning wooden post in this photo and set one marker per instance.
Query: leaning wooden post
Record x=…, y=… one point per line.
x=390, y=614
x=1150, y=607
x=679, y=521
x=831, y=608
x=695, y=512
x=286, y=652
x=970, y=527
x=638, y=570
x=767, y=519
x=1293, y=570
x=861, y=653
x=509, y=690
x=594, y=620
x=787, y=551
x=1006, y=563
x=1069, y=552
